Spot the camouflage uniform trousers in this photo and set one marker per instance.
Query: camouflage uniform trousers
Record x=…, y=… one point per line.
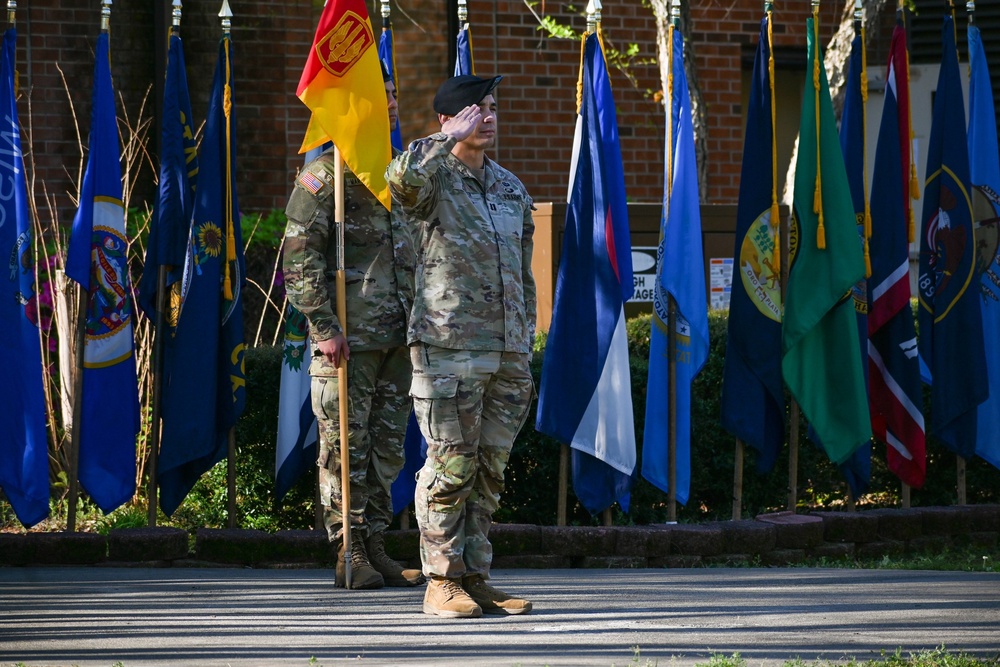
x=470, y=406
x=379, y=408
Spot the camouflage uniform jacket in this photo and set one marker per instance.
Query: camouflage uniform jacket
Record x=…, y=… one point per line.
x=376, y=313
x=473, y=288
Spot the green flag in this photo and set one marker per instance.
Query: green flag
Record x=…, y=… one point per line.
x=821, y=358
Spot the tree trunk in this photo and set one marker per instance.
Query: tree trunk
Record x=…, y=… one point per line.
x=836, y=60
x=661, y=10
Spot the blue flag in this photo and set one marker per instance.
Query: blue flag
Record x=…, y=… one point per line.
x=984, y=168
x=204, y=389
x=171, y=221
x=895, y=393
x=24, y=454
x=753, y=394
x=414, y=445
x=950, y=317
x=97, y=259
x=297, y=435
x=857, y=469
x=388, y=58
x=463, y=52
x=680, y=269
x=585, y=397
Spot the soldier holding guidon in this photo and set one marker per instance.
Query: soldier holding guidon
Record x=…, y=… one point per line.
x=378, y=272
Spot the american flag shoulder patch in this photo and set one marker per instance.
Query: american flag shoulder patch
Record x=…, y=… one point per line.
x=310, y=182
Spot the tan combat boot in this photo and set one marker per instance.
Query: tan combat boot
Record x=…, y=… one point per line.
x=363, y=575
x=393, y=573
x=446, y=598
x=492, y=600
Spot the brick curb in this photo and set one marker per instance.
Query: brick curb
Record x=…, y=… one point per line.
x=771, y=539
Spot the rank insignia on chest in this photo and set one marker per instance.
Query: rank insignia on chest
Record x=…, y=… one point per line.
x=311, y=183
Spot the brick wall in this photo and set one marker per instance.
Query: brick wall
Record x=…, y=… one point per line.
x=537, y=97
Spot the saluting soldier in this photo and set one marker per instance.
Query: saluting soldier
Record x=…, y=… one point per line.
x=378, y=272
x=471, y=330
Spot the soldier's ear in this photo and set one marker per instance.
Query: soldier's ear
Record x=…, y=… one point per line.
x=442, y=119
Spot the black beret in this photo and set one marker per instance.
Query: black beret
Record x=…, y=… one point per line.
x=462, y=91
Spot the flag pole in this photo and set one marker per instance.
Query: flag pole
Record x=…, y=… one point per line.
x=859, y=28
x=341, y=286
x=158, y=342
x=738, y=481
x=675, y=13
x=970, y=8
x=226, y=15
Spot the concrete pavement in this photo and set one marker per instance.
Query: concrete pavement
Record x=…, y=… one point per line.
x=241, y=617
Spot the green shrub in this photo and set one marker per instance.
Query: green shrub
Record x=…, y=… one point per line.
x=533, y=470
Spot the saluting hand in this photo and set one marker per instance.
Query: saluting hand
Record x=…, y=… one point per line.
x=464, y=123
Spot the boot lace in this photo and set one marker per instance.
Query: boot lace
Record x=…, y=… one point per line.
x=480, y=588
x=359, y=556
x=452, y=589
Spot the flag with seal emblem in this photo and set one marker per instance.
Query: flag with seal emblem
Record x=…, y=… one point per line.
x=204, y=389
x=24, y=454
x=753, y=396
x=984, y=170
x=97, y=259
x=821, y=354
x=342, y=86
x=950, y=319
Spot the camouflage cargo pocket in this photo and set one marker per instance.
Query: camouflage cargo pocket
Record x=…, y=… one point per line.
x=326, y=398
x=435, y=402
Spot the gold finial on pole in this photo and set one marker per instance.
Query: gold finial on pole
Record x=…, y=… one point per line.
x=11, y=11
x=105, y=15
x=463, y=12
x=593, y=15
x=176, y=14
x=226, y=14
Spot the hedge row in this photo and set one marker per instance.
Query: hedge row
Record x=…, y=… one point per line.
x=531, y=493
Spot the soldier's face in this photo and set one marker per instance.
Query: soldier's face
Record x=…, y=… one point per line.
x=390, y=94
x=485, y=135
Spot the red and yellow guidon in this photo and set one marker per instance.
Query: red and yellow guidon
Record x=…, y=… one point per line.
x=343, y=46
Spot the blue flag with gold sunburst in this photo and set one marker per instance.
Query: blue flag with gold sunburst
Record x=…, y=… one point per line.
x=24, y=454
x=204, y=388
x=97, y=259
x=950, y=320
